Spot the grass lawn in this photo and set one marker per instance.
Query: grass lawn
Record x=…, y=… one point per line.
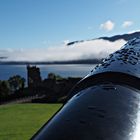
x=21, y=121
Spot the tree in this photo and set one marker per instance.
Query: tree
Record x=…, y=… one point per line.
x=16, y=82
x=51, y=76
x=54, y=76
x=4, y=88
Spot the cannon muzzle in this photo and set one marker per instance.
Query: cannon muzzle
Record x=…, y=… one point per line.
x=105, y=105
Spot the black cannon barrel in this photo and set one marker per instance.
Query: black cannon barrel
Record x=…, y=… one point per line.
x=105, y=105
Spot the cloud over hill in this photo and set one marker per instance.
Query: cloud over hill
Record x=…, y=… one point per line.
x=92, y=49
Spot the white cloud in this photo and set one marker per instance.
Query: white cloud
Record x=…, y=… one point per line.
x=127, y=24
x=88, y=49
x=108, y=25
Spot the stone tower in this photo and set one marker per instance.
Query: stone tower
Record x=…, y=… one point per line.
x=33, y=76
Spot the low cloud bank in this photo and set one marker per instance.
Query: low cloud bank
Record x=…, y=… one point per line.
x=94, y=49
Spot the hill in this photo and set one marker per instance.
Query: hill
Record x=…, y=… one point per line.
x=125, y=37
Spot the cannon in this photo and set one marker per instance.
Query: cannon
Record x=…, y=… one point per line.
x=105, y=105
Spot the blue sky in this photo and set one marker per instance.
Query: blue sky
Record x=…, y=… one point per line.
x=44, y=23
x=37, y=30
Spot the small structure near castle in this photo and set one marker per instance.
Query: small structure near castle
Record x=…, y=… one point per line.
x=33, y=76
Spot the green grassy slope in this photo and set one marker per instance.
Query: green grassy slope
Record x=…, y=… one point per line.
x=21, y=121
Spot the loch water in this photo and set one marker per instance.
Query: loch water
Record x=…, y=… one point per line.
x=64, y=70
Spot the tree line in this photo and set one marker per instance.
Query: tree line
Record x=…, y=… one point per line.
x=14, y=83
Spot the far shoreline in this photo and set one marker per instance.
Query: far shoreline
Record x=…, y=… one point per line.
x=87, y=61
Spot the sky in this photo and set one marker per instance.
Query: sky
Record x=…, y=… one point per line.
x=32, y=28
